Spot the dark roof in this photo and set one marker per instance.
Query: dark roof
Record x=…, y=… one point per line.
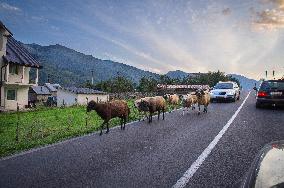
x=83, y=90
x=17, y=54
x=4, y=27
x=52, y=87
x=41, y=90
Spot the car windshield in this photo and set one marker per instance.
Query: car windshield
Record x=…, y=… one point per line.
x=224, y=86
x=272, y=85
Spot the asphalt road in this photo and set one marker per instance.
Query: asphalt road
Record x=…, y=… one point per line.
x=153, y=155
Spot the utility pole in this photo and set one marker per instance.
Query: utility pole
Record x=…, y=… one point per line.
x=92, y=77
x=273, y=73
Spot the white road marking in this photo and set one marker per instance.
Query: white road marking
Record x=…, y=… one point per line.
x=194, y=167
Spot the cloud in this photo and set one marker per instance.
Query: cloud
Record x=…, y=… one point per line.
x=226, y=11
x=39, y=19
x=8, y=7
x=270, y=19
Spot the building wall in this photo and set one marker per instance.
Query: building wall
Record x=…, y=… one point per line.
x=66, y=96
x=21, y=99
x=42, y=98
x=70, y=98
x=95, y=97
x=17, y=78
x=2, y=96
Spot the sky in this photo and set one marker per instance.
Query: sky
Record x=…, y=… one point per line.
x=234, y=36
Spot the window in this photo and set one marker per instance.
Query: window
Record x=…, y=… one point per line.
x=11, y=94
x=13, y=69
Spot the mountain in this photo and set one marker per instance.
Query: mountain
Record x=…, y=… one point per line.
x=246, y=83
x=177, y=74
x=69, y=67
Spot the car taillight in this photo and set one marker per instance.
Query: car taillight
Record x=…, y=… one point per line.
x=262, y=94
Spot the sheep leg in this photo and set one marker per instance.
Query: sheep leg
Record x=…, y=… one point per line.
x=163, y=114
x=107, y=128
x=183, y=112
x=124, y=123
x=102, y=127
x=121, y=123
x=159, y=115
x=198, y=109
x=205, y=109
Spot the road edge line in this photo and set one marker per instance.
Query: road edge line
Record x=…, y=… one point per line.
x=31, y=150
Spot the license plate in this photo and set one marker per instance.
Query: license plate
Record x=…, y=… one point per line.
x=276, y=93
x=218, y=97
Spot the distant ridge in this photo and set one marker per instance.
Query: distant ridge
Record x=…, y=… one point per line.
x=69, y=67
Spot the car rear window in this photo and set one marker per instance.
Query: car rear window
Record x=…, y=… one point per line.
x=272, y=85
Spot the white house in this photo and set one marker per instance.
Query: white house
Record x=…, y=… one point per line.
x=72, y=95
x=15, y=64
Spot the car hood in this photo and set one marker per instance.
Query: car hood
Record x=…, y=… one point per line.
x=222, y=90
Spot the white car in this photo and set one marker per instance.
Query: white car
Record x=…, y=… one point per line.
x=225, y=91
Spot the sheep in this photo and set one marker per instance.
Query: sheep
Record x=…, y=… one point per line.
x=194, y=99
x=203, y=98
x=172, y=99
x=141, y=111
x=109, y=110
x=187, y=102
x=154, y=104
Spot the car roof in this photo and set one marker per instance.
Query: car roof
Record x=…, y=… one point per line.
x=227, y=82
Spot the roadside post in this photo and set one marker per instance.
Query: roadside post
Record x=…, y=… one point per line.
x=87, y=112
x=18, y=121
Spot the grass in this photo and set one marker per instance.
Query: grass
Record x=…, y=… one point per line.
x=49, y=125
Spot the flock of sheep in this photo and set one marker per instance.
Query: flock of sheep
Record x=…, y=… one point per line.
x=148, y=105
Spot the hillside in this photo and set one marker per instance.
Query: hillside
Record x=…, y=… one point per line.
x=69, y=67
x=246, y=83
x=177, y=74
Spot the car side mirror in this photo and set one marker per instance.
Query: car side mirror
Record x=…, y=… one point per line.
x=255, y=88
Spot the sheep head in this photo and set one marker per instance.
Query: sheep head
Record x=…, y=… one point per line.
x=200, y=93
x=144, y=105
x=91, y=106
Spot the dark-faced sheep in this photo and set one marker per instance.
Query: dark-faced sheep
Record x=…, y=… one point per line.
x=109, y=110
x=203, y=98
x=154, y=104
x=142, y=112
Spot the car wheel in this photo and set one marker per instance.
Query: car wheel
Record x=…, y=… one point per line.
x=239, y=96
x=234, y=99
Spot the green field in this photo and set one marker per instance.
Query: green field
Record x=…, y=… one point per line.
x=49, y=125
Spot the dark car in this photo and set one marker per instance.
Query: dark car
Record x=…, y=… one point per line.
x=267, y=170
x=270, y=93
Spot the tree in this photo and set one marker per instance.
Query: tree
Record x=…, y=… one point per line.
x=118, y=84
x=147, y=84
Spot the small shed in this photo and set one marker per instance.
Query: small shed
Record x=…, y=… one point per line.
x=38, y=94
x=73, y=96
x=53, y=88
